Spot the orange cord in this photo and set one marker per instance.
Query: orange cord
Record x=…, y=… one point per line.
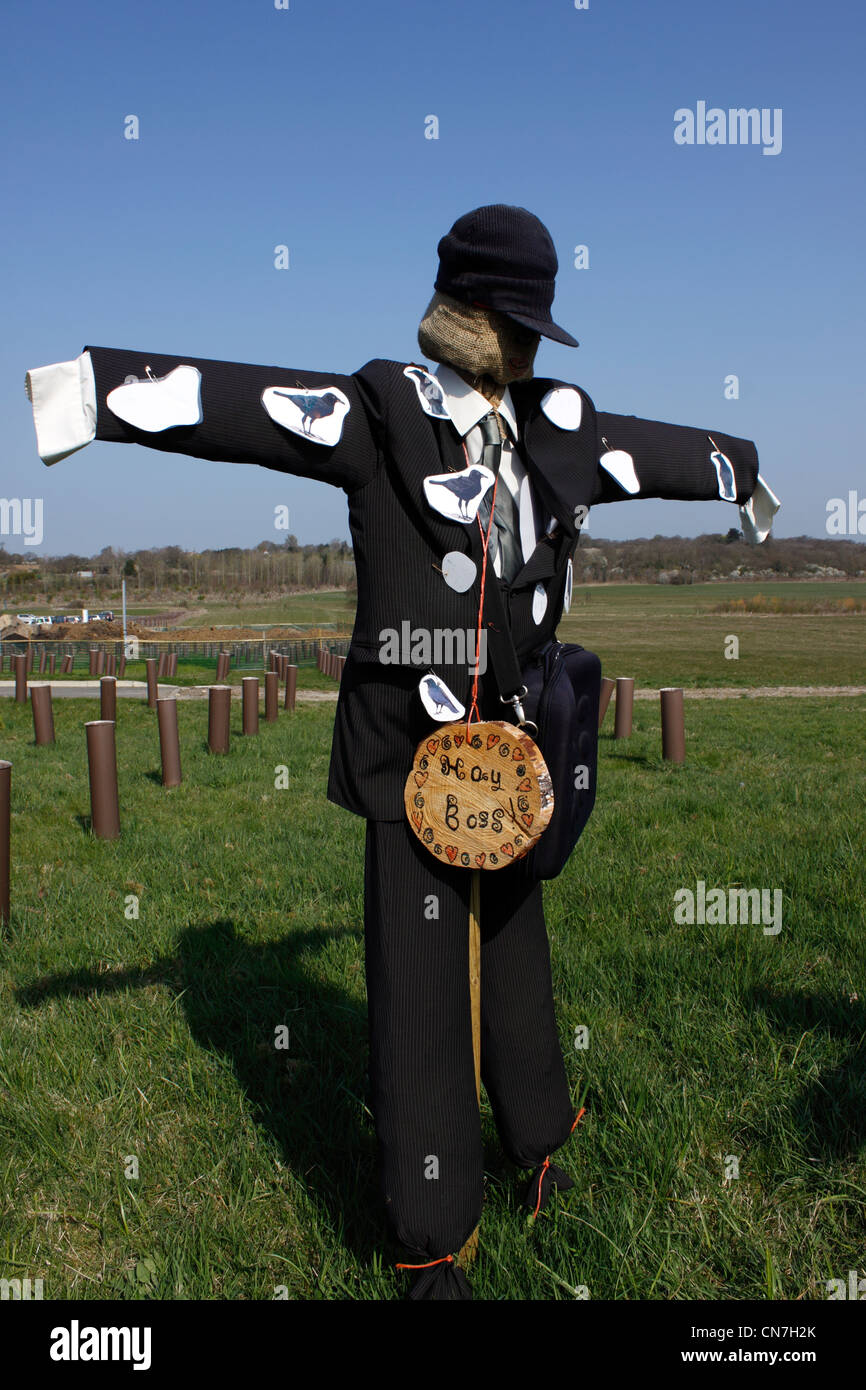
x=546, y=1164
x=449, y=1259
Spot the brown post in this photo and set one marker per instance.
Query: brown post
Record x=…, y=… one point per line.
x=607, y=688
x=272, y=695
x=100, y=661
x=43, y=718
x=102, y=766
x=291, y=686
x=121, y=667
x=624, y=706
x=91, y=670
x=673, y=725
x=172, y=665
x=251, y=704
x=219, y=711
x=160, y=666
x=67, y=664
x=169, y=742
x=152, y=687
x=223, y=663
x=43, y=657
x=272, y=660
x=5, y=838
x=52, y=662
x=20, y=660
x=108, y=698
x=111, y=664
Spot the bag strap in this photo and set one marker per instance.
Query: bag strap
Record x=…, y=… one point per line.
x=503, y=656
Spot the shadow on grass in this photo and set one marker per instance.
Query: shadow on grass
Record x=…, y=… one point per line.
x=830, y=1111
x=312, y=1096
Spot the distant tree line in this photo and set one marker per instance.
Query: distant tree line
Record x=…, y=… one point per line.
x=172, y=573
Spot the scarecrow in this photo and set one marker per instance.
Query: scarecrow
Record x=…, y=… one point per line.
x=465, y=482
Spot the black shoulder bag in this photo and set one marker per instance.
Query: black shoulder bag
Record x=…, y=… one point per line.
x=558, y=691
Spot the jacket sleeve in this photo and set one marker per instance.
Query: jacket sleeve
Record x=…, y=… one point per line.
x=316, y=424
x=648, y=458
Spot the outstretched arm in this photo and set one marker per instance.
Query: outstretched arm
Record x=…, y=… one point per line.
x=647, y=458
x=315, y=424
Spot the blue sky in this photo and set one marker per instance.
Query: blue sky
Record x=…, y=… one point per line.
x=305, y=127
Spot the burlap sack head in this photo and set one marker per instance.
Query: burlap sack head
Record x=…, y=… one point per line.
x=481, y=344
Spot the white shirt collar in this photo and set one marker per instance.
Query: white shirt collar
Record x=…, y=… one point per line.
x=467, y=406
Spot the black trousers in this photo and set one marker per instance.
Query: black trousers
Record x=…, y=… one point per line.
x=422, y=1075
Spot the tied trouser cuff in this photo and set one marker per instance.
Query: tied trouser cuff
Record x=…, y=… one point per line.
x=422, y=1078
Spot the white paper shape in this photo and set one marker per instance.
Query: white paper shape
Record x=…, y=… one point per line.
x=620, y=465
x=569, y=584
x=159, y=402
x=430, y=392
x=314, y=412
x=756, y=516
x=458, y=495
x=526, y=513
x=459, y=570
x=539, y=603
x=563, y=406
x=438, y=699
x=725, y=476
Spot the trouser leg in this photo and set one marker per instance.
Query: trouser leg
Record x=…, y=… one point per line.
x=521, y=1059
x=416, y=924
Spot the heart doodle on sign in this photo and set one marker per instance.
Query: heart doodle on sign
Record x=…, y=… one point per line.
x=517, y=755
x=479, y=860
x=432, y=745
x=524, y=785
x=492, y=740
x=451, y=851
x=458, y=739
x=417, y=819
x=420, y=778
x=507, y=849
x=527, y=820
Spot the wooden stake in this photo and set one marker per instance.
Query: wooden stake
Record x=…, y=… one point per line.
x=470, y=1249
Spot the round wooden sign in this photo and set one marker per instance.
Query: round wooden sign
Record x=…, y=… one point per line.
x=479, y=795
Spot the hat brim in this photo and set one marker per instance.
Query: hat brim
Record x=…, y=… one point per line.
x=546, y=327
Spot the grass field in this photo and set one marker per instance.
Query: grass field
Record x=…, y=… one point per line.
x=151, y=1036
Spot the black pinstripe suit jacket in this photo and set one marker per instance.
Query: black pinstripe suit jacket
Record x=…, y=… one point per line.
x=387, y=447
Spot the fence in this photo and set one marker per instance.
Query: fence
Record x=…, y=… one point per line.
x=246, y=654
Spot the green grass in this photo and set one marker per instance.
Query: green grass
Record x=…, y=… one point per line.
x=153, y=1035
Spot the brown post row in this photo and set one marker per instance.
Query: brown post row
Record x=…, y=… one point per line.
x=43, y=657
x=152, y=687
x=218, y=716
x=102, y=765
x=169, y=742
x=5, y=838
x=272, y=695
x=624, y=706
x=250, y=686
x=291, y=685
x=52, y=662
x=121, y=667
x=20, y=660
x=673, y=725
x=607, y=688
x=43, y=718
x=108, y=698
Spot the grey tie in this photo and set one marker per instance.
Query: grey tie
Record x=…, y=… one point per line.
x=505, y=533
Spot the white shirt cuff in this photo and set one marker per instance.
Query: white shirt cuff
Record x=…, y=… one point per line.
x=63, y=397
x=756, y=517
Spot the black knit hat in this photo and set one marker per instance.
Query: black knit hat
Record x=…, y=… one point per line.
x=503, y=258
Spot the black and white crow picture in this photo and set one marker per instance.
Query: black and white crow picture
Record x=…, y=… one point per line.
x=464, y=486
x=311, y=407
x=439, y=697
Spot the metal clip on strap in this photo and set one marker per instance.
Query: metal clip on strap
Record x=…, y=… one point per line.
x=516, y=702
